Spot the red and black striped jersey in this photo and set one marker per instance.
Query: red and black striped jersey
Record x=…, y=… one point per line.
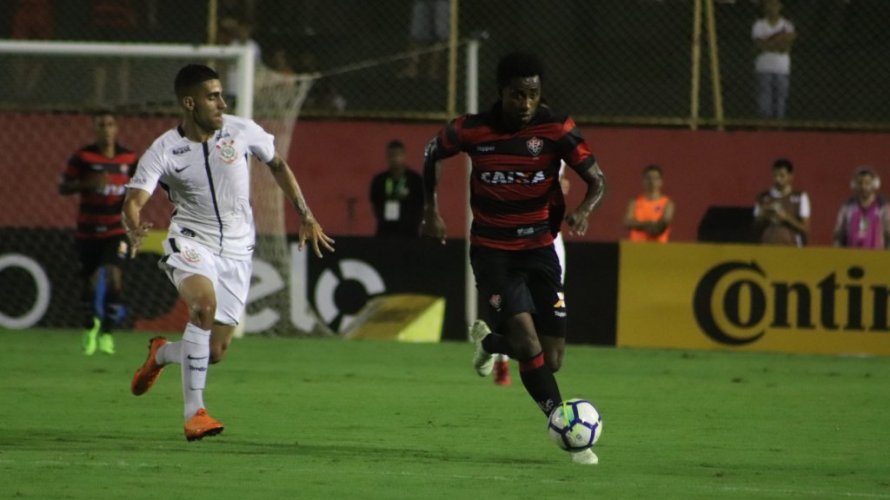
x=514, y=184
x=100, y=211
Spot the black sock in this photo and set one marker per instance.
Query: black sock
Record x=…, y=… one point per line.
x=114, y=311
x=540, y=383
x=495, y=343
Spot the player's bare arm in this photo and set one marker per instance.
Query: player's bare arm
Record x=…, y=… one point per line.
x=630, y=220
x=310, y=229
x=432, y=225
x=596, y=189
x=132, y=212
x=666, y=219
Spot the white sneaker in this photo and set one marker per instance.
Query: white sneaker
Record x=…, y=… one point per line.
x=483, y=362
x=586, y=457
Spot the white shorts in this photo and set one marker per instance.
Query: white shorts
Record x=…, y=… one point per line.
x=230, y=277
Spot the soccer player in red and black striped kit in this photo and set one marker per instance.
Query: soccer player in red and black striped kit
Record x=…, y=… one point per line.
x=516, y=148
x=99, y=172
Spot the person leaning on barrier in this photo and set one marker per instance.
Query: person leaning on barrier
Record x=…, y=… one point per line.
x=782, y=214
x=649, y=215
x=863, y=221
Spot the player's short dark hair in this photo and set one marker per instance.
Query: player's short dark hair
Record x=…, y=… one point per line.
x=191, y=75
x=863, y=170
x=653, y=168
x=518, y=65
x=784, y=163
x=395, y=144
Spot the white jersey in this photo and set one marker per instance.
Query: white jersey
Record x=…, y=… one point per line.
x=208, y=183
x=772, y=62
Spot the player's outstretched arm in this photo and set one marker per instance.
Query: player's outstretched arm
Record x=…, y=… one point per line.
x=310, y=229
x=596, y=189
x=131, y=213
x=432, y=225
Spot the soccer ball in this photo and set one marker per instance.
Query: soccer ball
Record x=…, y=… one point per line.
x=575, y=425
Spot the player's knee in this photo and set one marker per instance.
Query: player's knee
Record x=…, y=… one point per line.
x=553, y=359
x=201, y=313
x=525, y=346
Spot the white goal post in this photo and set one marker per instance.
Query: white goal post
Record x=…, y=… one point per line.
x=242, y=56
x=272, y=99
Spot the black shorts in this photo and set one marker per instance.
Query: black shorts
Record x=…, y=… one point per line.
x=95, y=253
x=514, y=282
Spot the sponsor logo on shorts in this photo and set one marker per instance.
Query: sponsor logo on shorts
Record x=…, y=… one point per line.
x=191, y=255
x=559, y=307
x=122, y=248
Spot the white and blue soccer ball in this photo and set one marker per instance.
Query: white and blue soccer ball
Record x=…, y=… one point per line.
x=575, y=425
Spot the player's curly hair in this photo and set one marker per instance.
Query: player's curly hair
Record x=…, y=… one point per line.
x=191, y=75
x=518, y=65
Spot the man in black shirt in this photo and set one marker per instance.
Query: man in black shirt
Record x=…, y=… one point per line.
x=397, y=195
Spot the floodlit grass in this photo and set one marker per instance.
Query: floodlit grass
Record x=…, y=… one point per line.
x=333, y=419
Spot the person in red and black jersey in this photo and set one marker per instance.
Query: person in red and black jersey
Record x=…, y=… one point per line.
x=516, y=148
x=99, y=172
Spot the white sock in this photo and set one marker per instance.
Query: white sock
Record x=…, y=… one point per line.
x=170, y=352
x=502, y=358
x=195, y=359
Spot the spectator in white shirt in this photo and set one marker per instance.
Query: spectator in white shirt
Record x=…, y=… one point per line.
x=773, y=36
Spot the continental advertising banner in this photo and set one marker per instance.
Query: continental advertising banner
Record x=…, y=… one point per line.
x=757, y=298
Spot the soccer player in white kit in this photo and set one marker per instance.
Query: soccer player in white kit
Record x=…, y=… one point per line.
x=203, y=165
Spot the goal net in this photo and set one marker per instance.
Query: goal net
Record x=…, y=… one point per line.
x=55, y=86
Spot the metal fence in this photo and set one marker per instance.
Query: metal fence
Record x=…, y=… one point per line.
x=629, y=62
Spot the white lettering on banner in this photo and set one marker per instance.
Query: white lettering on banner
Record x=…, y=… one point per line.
x=265, y=281
x=301, y=314
x=41, y=303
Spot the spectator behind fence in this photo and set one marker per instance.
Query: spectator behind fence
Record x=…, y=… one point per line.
x=650, y=214
x=430, y=24
x=773, y=37
x=782, y=214
x=31, y=20
x=864, y=220
x=112, y=21
x=236, y=33
x=397, y=196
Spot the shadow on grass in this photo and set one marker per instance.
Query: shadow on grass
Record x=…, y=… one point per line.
x=98, y=442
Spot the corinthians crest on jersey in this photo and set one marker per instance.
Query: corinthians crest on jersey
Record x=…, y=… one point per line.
x=227, y=151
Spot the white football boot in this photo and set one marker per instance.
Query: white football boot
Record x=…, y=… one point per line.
x=586, y=457
x=483, y=362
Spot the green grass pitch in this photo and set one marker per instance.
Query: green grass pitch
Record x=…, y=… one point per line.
x=334, y=419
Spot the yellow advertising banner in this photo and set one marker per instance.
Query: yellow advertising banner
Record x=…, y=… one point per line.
x=755, y=298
